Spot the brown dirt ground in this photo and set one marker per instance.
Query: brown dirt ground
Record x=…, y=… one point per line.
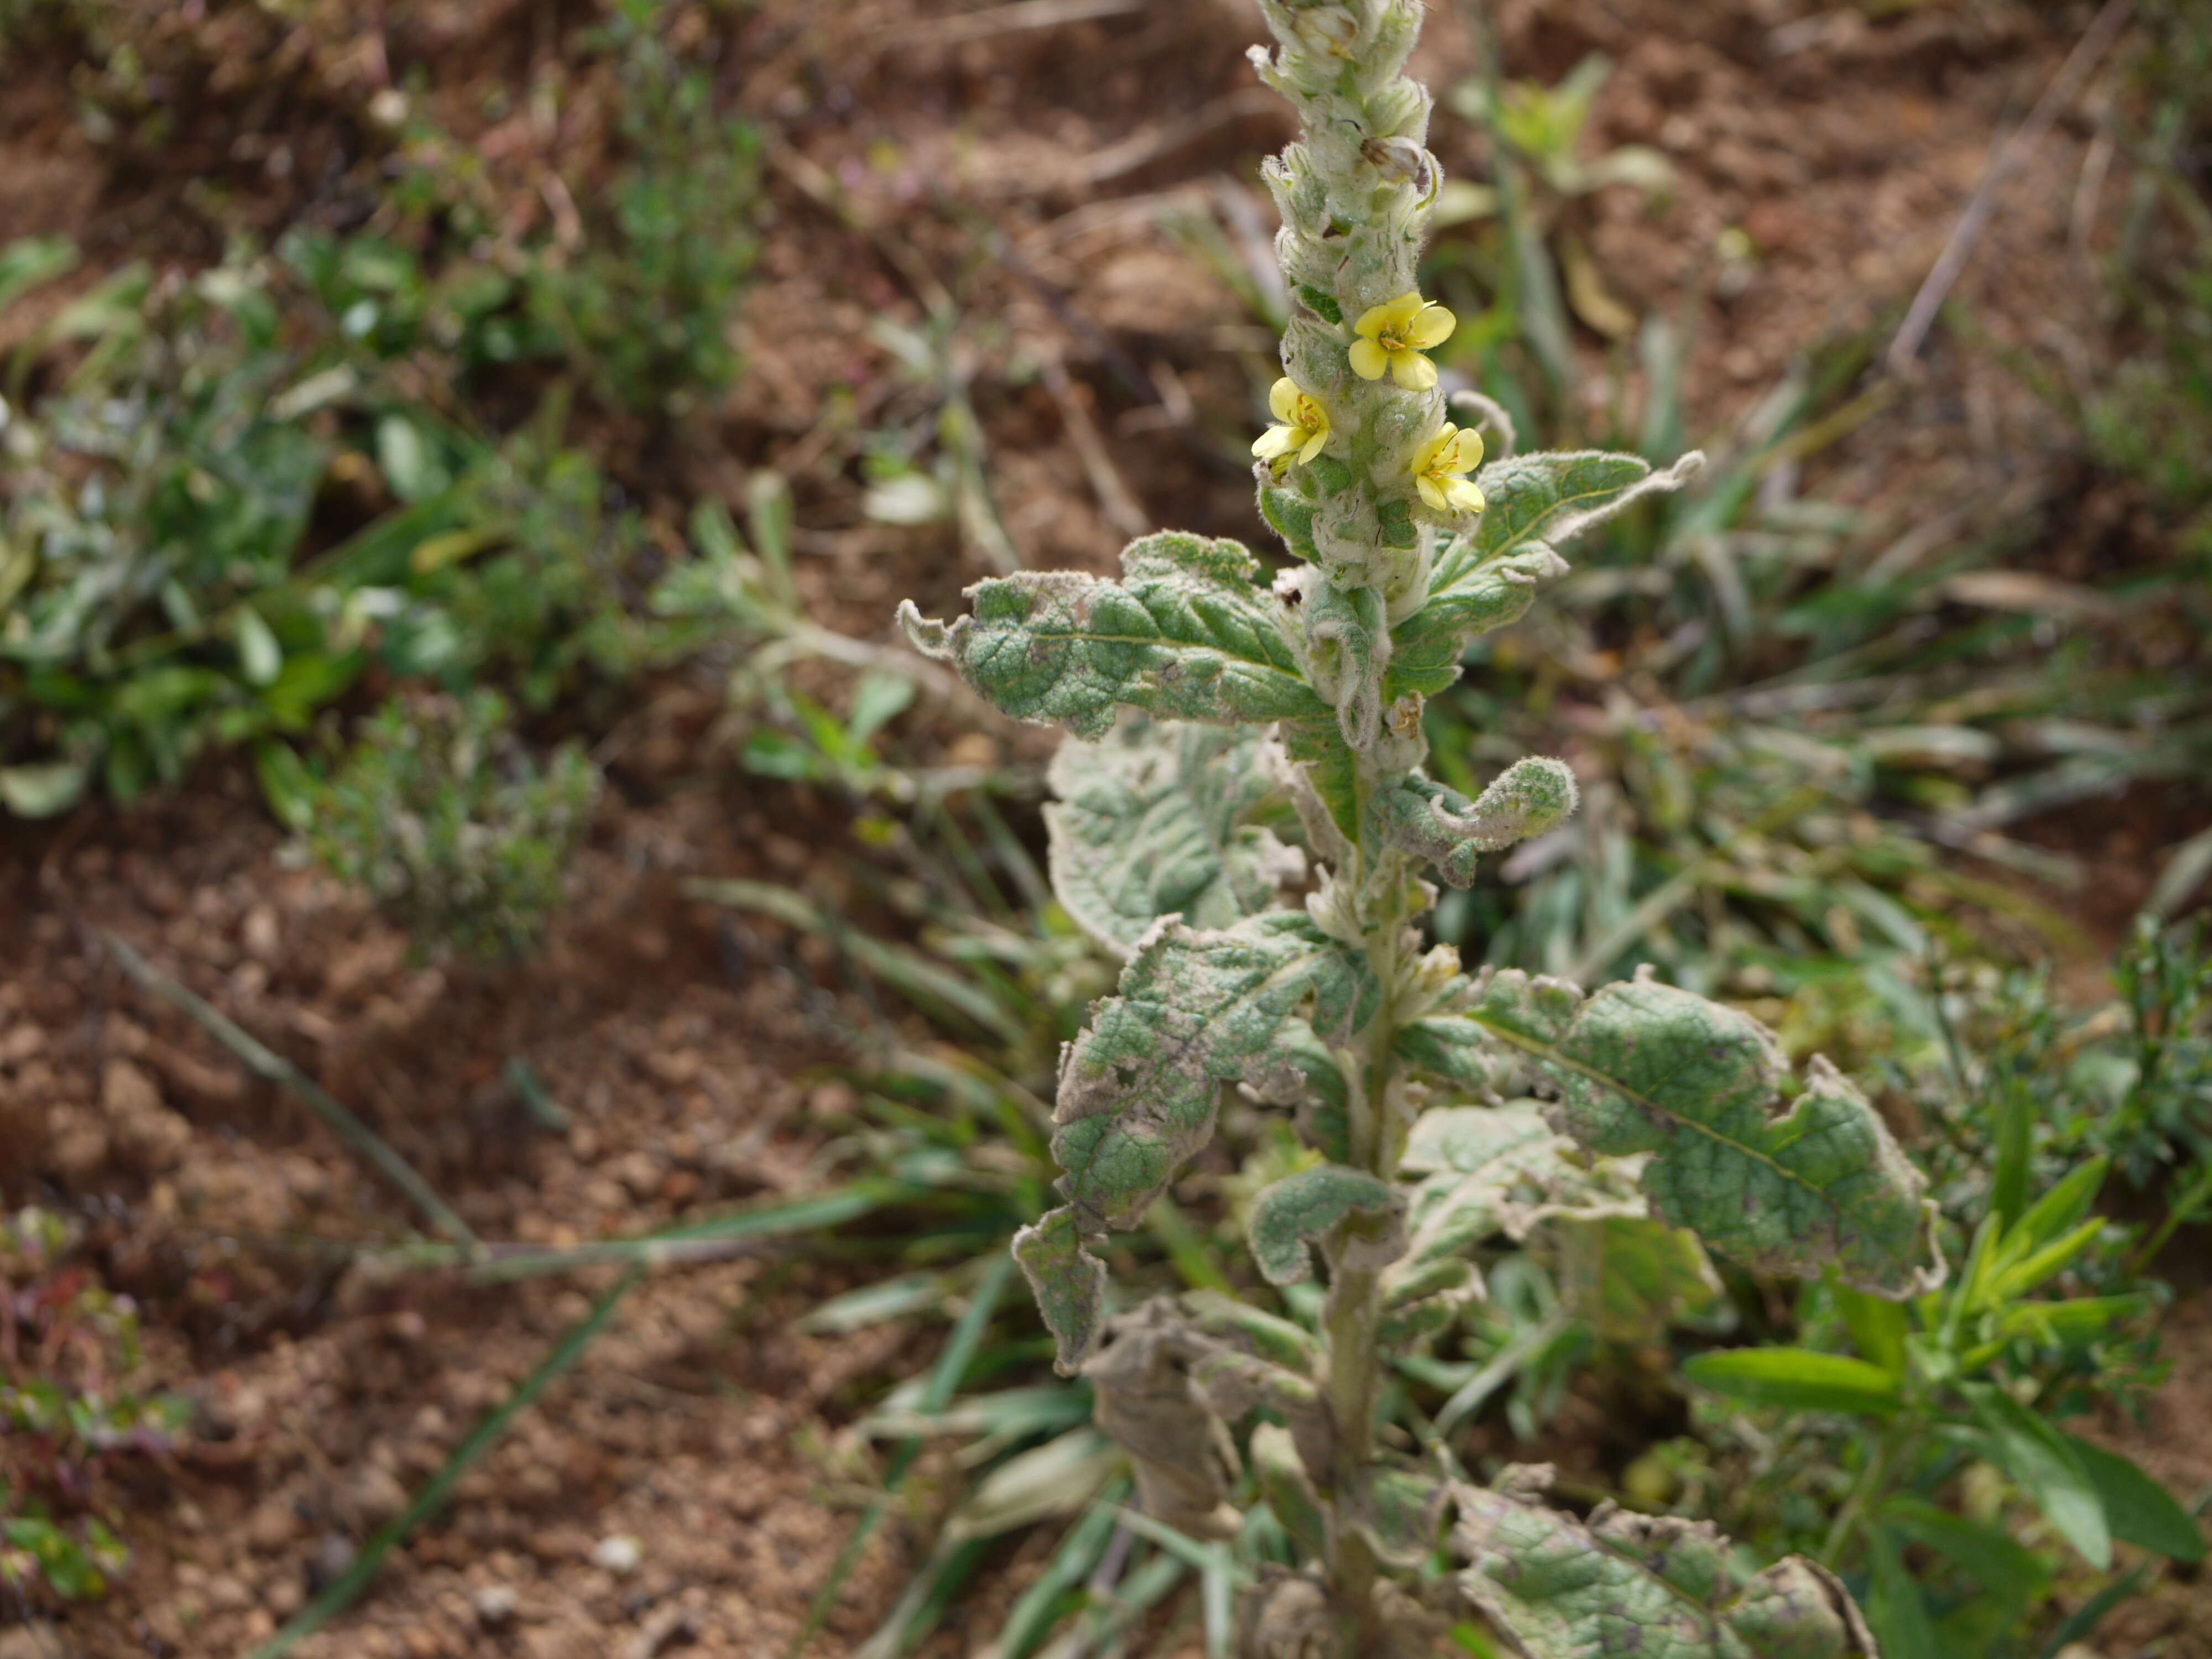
x=1036, y=178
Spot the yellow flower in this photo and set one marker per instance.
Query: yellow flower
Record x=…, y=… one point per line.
x=1304, y=423
x=1438, y=465
x=1393, y=336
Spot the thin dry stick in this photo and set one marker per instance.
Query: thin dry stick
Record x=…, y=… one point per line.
x=265, y=1062
x=1008, y=19
x=1124, y=512
x=2010, y=158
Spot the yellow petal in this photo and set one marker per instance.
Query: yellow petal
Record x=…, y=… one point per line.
x=1275, y=441
x=1424, y=458
x=1415, y=372
x=1371, y=321
x=1432, y=326
x=1402, y=310
x=1465, y=451
x=1465, y=497
x=1313, y=445
x=1431, y=494
x=1369, y=361
x=1283, y=400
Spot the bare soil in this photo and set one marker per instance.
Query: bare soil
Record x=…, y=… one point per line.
x=1035, y=178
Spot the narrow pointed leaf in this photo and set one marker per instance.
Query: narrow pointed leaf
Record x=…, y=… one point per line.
x=1645, y=1067
x=1802, y=1379
x=2044, y=1461
x=2137, y=1508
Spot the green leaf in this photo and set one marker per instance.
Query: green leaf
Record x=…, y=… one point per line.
x=1188, y=633
x=1894, y=1607
x=2046, y=1464
x=1800, y=1379
x=1878, y=1328
x=1653, y=1586
x=1138, y=1089
x=1347, y=637
x=40, y=789
x=1629, y=1276
x=31, y=261
x=1302, y=1209
x=2008, y=1569
x=260, y=658
x=1068, y=1281
x=1476, y=1161
x=2137, y=1507
x=1528, y=798
x=1487, y=580
x=1645, y=1067
x=1288, y=1490
x=1330, y=767
x=1154, y=820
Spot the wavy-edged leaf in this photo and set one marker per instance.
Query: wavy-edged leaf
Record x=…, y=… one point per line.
x=1138, y=1089
x=1298, y=1212
x=1630, y=1276
x=1531, y=796
x=1487, y=578
x=1068, y=1282
x=1654, y=1586
x=1646, y=1067
x=1190, y=632
x=1154, y=819
x=1475, y=1164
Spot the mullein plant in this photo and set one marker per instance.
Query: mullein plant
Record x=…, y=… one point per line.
x=1235, y=737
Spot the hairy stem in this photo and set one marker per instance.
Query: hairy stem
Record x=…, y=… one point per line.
x=1353, y=1314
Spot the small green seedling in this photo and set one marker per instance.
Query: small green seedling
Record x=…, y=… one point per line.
x=1238, y=696
x=450, y=828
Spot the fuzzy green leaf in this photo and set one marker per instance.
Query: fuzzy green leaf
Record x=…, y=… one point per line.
x=1301, y=1209
x=1653, y=1586
x=1154, y=820
x=1485, y=579
x=1288, y=1492
x=1138, y=1089
x=1645, y=1067
x=1630, y=1276
x=1475, y=1163
x=1068, y=1281
x=1188, y=633
x=1330, y=766
x=1528, y=798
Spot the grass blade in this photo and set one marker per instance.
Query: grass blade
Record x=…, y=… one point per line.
x=347, y=1586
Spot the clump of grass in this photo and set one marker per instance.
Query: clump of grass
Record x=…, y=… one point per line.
x=450, y=828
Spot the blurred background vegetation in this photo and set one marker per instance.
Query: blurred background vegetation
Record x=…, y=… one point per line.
x=442, y=444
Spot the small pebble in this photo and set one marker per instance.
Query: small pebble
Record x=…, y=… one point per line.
x=618, y=1555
